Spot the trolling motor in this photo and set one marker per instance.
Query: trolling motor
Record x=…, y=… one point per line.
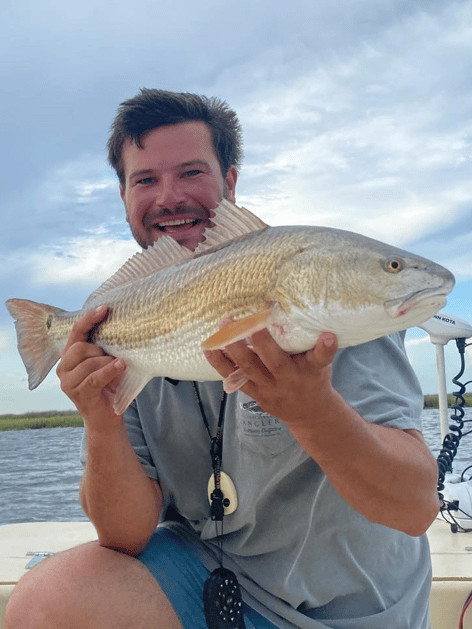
x=443, y=328
x=453, y=491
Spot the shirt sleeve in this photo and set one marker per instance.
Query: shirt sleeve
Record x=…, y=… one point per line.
x=377, y=379
x=138, y=440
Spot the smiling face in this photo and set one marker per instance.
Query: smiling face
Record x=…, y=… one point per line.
x=173, y=183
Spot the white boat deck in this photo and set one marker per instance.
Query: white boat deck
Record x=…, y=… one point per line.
x=451, y=557
x=16, y=540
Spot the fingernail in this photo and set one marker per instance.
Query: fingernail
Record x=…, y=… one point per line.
x=328, y=340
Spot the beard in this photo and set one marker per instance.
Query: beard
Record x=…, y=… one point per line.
x=152, y=233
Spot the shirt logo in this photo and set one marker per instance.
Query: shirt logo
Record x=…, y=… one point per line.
x=260, y=432
x=257, y=423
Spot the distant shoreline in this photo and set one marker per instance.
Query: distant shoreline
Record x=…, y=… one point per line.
x=72, y=419
x=431, y=400
x=41, y=419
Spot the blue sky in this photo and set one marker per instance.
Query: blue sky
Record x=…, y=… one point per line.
x=356, y=114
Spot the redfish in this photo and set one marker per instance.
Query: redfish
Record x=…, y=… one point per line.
x=165, y=303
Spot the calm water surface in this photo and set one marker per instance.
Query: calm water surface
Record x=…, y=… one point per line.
x=40, y=470
x=40, y=475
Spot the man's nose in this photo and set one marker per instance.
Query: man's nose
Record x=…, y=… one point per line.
x=169, y=193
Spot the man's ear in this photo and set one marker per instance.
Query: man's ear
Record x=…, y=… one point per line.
x=231, y=178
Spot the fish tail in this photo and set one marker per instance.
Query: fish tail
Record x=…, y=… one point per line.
x=35, y=345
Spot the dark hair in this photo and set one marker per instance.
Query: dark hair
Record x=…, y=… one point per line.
x=153, y=108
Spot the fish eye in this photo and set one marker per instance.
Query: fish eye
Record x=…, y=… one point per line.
x=394, y=265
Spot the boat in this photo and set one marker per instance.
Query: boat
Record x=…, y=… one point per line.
x=450, y=535
x=23, y=545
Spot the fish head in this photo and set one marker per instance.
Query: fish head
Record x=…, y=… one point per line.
x=412, y=288
x=362, y=289
x=423, y=303
x=401, y=288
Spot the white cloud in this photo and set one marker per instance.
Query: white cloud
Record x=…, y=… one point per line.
x=452, y=251
x=88, y=260
x=86, y=189
x=417, y=341
x=376, y=139
x=422, y=355
x=356, y=115
x=82, y=180
x=5, y=341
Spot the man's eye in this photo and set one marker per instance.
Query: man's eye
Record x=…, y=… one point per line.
x=145, y=181
x=192, y=173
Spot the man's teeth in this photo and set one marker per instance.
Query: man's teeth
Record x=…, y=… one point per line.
x=176, y=223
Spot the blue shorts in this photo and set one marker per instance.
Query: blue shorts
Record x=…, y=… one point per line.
x=181, y=576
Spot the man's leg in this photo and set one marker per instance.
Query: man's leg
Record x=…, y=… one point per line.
x=89, y=587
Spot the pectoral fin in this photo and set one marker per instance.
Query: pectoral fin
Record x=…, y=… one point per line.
x=238, y=330
x=131, y=384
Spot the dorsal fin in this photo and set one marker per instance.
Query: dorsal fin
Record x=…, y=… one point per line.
x=230, y=221
x=164, y=252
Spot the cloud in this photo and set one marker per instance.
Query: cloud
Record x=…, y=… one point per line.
x=84, y=180
x=366, y=139
x=452, y=250
x=422, y=355
x=356, y=115
x=417, y=341
x=87, y=260
x=5, y=343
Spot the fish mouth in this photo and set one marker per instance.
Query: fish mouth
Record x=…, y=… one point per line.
x=430, y=298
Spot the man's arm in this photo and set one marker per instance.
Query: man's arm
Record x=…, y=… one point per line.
x=117, y=495
x=386, y=474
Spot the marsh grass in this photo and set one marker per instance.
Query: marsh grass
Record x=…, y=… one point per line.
x=431, y=401
x=72, y=419
x=41, y=419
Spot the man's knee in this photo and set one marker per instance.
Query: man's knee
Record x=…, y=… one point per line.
x=50, y=586
x=87, y=586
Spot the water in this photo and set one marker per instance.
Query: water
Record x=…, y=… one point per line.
x=432, y=435
x=40, y=475
x=40, y=470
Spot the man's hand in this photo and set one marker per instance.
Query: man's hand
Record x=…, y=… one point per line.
x=370, y=466
x=88, y=376
x=290, y=387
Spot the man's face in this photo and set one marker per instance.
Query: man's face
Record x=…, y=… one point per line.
x=172, y=183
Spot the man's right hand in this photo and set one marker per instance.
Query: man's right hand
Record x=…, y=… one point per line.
x=88, y=376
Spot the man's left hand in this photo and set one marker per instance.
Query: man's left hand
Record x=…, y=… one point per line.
x=287, y=386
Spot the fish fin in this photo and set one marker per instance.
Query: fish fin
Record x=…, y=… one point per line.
x=32, y=323
x=229, y=222
x=234, y=381
x=132, y=383
x=238, y=330
x=163, y=253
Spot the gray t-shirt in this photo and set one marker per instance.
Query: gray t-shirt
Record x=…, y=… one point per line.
x=303, y=556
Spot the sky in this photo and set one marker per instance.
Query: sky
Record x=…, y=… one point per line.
x=357, y=114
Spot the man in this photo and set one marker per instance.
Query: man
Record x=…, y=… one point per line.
x=335, y=486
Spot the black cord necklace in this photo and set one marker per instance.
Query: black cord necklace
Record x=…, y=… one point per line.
x=222, y=601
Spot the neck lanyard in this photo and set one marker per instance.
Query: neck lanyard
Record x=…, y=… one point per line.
x=216, y=453
x=222, y=600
